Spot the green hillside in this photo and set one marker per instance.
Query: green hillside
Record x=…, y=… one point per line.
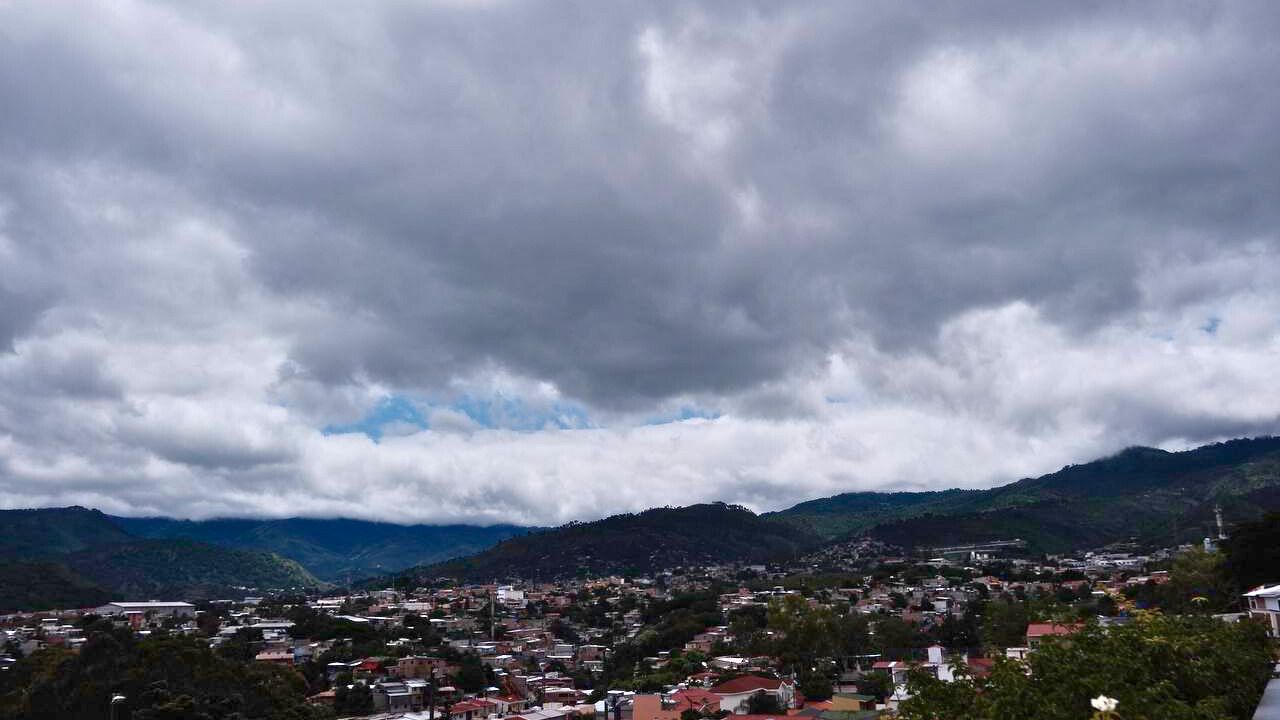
x=49, y=532
x=642, y=542
x=73, y=557
x=186, y=569
x=1152, y=495
x=45, y=585
x=848, y=513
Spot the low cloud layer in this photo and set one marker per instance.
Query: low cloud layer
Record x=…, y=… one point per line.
x=498, y=262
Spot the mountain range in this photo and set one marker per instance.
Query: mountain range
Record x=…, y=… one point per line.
x=1147, y=494
x=335, y=550
x=76, y=556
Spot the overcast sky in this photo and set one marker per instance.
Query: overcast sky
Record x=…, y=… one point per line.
x=534, y=262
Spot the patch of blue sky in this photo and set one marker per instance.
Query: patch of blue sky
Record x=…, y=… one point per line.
x=514, y=413
x=685, y=412
x=496, y=412
x=391, y=410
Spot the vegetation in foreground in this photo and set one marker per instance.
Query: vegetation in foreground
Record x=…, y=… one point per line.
x=1158, y=668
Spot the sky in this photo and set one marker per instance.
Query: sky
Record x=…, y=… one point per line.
x=493, y=261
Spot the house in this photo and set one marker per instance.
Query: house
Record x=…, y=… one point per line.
x=735, y=693
x=1038, y=631
x=392, y=697
x=852, y=702
x=471, y=709
x=896, y=669
x=1264, y=605
x=276, y=655
x=703, y=701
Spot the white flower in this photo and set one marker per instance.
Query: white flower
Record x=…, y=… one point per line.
x=1102, y=703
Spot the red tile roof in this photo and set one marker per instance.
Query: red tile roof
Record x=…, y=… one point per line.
x=695, y=698
x=1043, y=629
x=748, y=683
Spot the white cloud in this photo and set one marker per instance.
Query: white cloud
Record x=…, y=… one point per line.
x=878, y=252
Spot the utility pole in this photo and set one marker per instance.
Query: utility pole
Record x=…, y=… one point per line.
x=431, y=695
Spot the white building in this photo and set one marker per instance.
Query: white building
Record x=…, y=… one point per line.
x=1264, y=604
x=150, y=607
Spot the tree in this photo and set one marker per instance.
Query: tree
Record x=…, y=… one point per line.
x=816, y=686
x=471, y=675
x=895, y=636
x=1004, y=623
x=1184, y=667
x=806, y=633
x=1253, y=553
x=352, y=699
x=877, y=683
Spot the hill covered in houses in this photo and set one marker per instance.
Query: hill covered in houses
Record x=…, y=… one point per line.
x=644, y=542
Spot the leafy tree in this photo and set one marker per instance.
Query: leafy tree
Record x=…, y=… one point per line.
x=877, y=683
x=470, y=676
x=1180, y=668
x=816, y=686
x=1253, y=553
x=1004, y=623
x=895, y=637
x=352, y=699
x=805, y=633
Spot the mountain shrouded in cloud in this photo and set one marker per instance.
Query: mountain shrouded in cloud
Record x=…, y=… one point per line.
x=496, y=262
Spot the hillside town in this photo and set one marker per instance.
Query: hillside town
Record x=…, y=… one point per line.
x=836, y=636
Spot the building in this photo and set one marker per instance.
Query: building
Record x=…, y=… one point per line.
x=1264, y=605
x=735, y=693
x=1038, y=631
x=153, y=608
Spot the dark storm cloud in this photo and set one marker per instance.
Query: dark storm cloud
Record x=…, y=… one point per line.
x=225, y=227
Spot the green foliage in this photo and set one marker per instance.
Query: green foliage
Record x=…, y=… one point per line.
x=351, y=699
x=184, y=568
x=49, y=532
x=670, y=624
x=1198, y=583
x=162, y=677
x=471, y=676
x=1150, y=493
x=1253, y=553
x=1004, y=623
x=42, y=585
x=896, y=638
x=1159, y=668
x=804, y=633
x=877, y=683
x=816, y=686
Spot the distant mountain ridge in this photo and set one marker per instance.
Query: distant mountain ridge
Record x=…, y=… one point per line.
x=1144, y=492
x=74, y=556
x=335, y=550
x=1150, y=494
x=1140, y=492
x=643, y=542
